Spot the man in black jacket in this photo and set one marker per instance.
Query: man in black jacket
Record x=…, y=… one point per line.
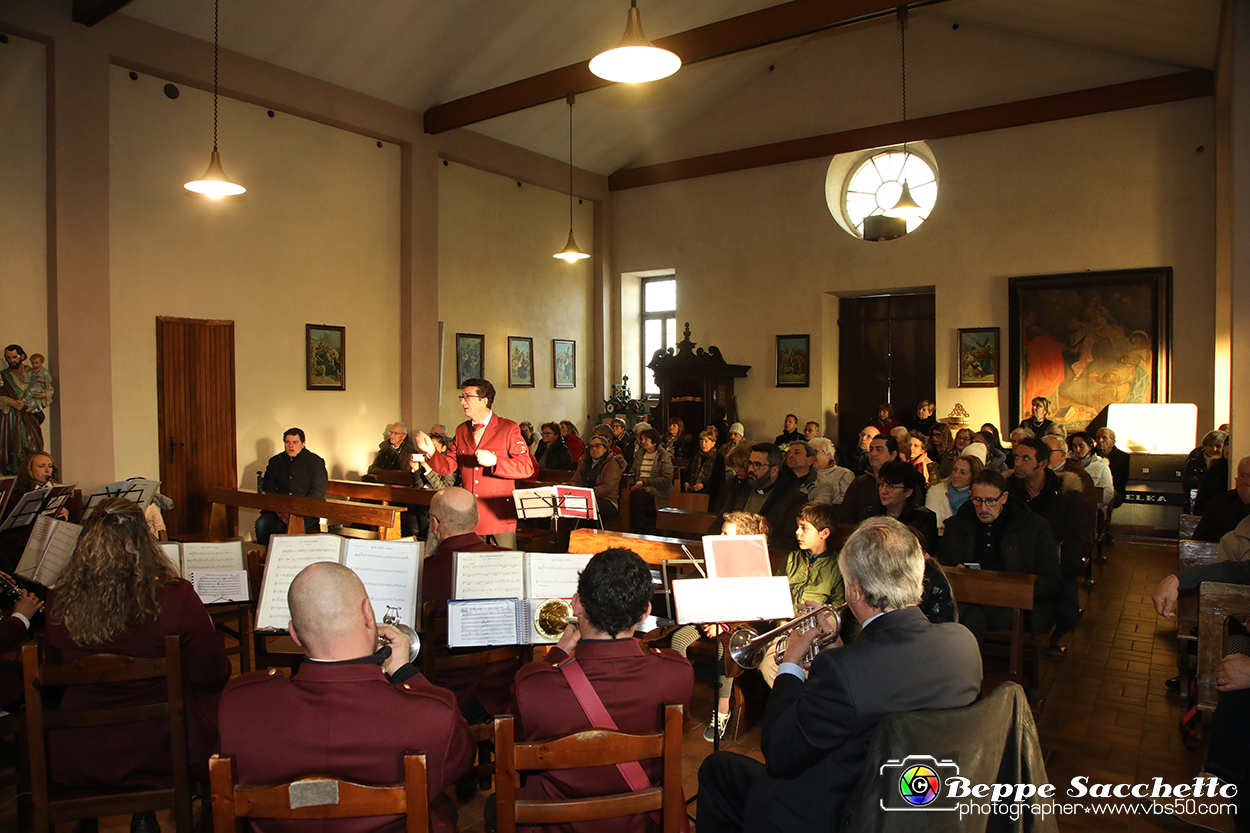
x=1117, y=461
x=861, y=495
x=295, y=471
x=1227, y=509
x=773, y=492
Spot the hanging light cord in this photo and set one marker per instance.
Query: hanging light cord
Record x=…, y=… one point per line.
x=215, y=16
x=570, y=100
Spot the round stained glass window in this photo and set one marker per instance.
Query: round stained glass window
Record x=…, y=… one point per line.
x=873, y=183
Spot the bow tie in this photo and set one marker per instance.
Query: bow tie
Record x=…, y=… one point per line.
x=478, y=426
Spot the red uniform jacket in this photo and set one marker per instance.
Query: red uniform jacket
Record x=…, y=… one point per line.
x=137, y=754
x=491, y=683
x=492, y=486
x=346, y=720
x=633, y=687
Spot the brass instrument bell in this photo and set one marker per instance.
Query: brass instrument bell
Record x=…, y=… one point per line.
x=414, y=640
x=552, y=616
x=748, y=648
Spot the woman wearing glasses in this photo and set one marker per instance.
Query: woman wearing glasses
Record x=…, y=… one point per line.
x=901, y=491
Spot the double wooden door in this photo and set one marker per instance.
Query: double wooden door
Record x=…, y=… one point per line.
x=195, y=401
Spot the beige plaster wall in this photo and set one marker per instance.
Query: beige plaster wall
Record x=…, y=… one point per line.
x=497, y=277
x=314, y=241
x=23, y=198
x=757, y=251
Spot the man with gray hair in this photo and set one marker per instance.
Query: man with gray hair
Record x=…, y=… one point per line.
x=339, y=714
x=394, y=452
x=820, y=722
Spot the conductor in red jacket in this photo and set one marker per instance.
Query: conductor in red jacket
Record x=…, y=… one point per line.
x=491, y=455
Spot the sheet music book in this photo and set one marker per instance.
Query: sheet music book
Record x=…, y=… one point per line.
x=740, y=556
x=218, y=567
x=704, y=600
x=140, y=491
x=561, y=501
x=38, y=502
x=492, y=589
x=390, y=571
x=219, y=586
x=48, y=549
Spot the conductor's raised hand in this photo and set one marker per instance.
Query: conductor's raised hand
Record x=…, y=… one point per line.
x=423, y=443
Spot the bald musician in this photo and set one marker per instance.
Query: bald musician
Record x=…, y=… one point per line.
x=341, y=715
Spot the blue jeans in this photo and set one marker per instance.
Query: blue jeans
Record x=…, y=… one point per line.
x=269, y=523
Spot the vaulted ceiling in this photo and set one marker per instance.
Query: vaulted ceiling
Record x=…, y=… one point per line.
x=421, y=53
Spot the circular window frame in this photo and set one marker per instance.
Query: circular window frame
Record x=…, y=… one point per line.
x=843, y=168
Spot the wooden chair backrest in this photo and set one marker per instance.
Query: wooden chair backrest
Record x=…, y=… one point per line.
x=1196, y=553
x=684, y=523
x=1191, y=554
x=1216, y=602
x=436, y=634
x=690, y=501
x=555, y=475
x=318, y=797
x=591, y=747
x=1186, y=525
x=94, y=670
x=992, y=587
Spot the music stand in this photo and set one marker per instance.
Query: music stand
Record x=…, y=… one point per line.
x=38, y=502
x=140, y=491
x=557, y=502
x=6, y=489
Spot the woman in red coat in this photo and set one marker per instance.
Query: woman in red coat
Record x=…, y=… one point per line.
x=119, y=594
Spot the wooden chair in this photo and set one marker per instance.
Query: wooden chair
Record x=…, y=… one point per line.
x=1003, y=589
x=1189, y=554
x=1216, y=603
x=591, y=747
x=689, y=501
x=51, y=804
x=318, y=797
x=684, y=523
x=1186, y=526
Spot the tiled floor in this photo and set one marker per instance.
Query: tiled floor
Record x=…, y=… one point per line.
x=1106, y=713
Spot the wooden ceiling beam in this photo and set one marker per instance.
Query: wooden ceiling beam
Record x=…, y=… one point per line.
x=724, y=37
x=1160, y=90
x=91, y=12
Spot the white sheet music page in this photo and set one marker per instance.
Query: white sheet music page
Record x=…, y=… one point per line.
x=736, y=556
x=488, y=575
x=533, y=503
x=48, y=549
x=221, y=556
x=700, y=600
x=479, y=622
x=550, y=575
x=389, y=572
x=173, y=551
x=217, y=586
x=288, y=554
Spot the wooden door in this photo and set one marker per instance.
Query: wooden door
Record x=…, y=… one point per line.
x=887, y=353
x=195, y=401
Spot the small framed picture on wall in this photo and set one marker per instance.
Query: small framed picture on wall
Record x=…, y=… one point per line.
x=325, y=349
x=978, y=357
x=794, y=361
x=520, y=362
x=563, y=363
x=470, y=348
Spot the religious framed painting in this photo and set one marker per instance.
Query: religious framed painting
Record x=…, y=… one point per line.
x=794, y=361
x=470, y=350
x=978, y=357
x=1087, y=340
x=563, y=363
x=325, y=351
x=520, y=362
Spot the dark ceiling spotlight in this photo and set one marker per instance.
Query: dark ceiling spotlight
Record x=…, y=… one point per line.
x=954, y=25
x=379, y=144
x=4, y=38
x=171, y=91
x=134, y=76
x=270, y=113
x=445, y=163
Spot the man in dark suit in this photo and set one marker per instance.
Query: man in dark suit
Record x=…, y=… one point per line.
x=817, y=732
x=1116, y=459
x=295, y=471
x=492, y=456
x=1227, y=509
x=340, y=715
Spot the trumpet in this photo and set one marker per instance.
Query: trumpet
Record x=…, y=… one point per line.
x=748, y=648
x=552, y=616
x=414, y=640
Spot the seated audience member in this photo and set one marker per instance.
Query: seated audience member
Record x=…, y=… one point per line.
x=14, y=629
x=885, y=421
x=424, y=475
x=903, y=437
x=1055, y=429
x=624, y=439
x=605, y=432
x=394, y=452
x=962, y=439
x=37, y=470
x=348, y=712
x=1117, y=461
x=1083, y=452
x=811, y=430
x=552, y=452
x=818, y=731
x=737, y=479
x=1228, y=757
x=998, y=532
x=1200, y=462
x=676, y=441
x=652, y=472
x=996, y=457
x=772, y=493
x=924, y=420
x=1091, y=495
x=900, y=494
x=1059, y=498
x=598, y=659
x=119, y=594
x=1226, y=509
x=1235, y=545
x=572, y=440
x=438, y=428
x=812, y=569
x=832, y=480
x=855, y=457
x=528, y=434
x=800, y=459
x=707, y=468
x=1017, y=434
x=942, y=448
x=918, y=456
x=862, y=495
x=736, y=523
x=1038, y=420
x=791, y=432
x=737, y=433
x=601, y=470
x=481, y=691
x=294, y=471
x=946, y=497
x=1216, y=479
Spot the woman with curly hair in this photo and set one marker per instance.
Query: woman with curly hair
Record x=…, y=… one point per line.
x=942, y=448
x=120, y=594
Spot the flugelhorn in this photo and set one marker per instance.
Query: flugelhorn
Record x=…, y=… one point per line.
x=552, y=616
x=748, y=648
x=414, y=640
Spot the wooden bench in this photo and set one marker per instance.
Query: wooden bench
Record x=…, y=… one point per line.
x=683, y=523
x=1189, y=554
x=1216, y=602
x=689, y=501
x=1186, y=525
x=226, y=525
x=383, y=493
x=1001, y=589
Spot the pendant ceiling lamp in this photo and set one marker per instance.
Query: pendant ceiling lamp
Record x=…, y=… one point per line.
x=635, y=59
x=906, y=208
x=214, y=184
x=571, y=253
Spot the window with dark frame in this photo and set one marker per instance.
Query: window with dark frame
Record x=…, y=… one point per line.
x=659, y=324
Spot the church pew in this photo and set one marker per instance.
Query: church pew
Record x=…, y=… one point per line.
x=383, y=518
x=1001, y=589
x=1189, y=554
x=684, y=523
x=1216, y=602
